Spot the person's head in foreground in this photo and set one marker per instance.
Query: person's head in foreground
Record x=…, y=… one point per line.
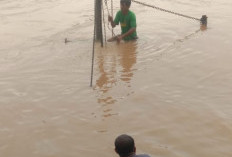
x=125, y=5
x=125, y=146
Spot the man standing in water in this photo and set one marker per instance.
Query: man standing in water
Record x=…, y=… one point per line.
x=127, y=20
x=125, y=147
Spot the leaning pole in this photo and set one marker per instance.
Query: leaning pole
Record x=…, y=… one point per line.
x=98, y=21
x=97, y=35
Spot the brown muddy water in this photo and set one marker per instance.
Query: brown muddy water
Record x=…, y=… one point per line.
x=171, y=89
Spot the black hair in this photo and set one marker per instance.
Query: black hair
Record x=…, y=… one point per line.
x=124, y=145
x=127, y=2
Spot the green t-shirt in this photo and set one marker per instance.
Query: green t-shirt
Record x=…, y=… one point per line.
x=127, y=22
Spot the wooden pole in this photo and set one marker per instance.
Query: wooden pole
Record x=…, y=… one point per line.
x=98, y=21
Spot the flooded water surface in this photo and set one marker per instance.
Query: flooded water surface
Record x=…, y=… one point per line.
x=171, y=89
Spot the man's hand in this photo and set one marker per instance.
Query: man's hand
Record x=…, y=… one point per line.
x=110, y=18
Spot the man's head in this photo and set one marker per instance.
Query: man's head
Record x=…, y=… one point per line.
x=124, y=145
x=125, y=5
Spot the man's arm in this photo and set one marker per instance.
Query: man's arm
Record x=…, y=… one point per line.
x=120, y=37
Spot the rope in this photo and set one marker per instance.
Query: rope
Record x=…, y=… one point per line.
x=112, y=13
x=103, y=14
x=107, y=8
x=165, y=10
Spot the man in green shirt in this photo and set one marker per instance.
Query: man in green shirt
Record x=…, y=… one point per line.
x=127, y=20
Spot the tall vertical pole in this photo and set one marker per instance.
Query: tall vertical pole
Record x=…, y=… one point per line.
x=98, y=21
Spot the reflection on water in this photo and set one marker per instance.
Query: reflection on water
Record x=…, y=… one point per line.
x=127, y=54
x=114, y=67
x=203, y=27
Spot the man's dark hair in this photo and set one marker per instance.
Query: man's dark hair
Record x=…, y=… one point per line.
x=124, y=145
x=127, y=2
